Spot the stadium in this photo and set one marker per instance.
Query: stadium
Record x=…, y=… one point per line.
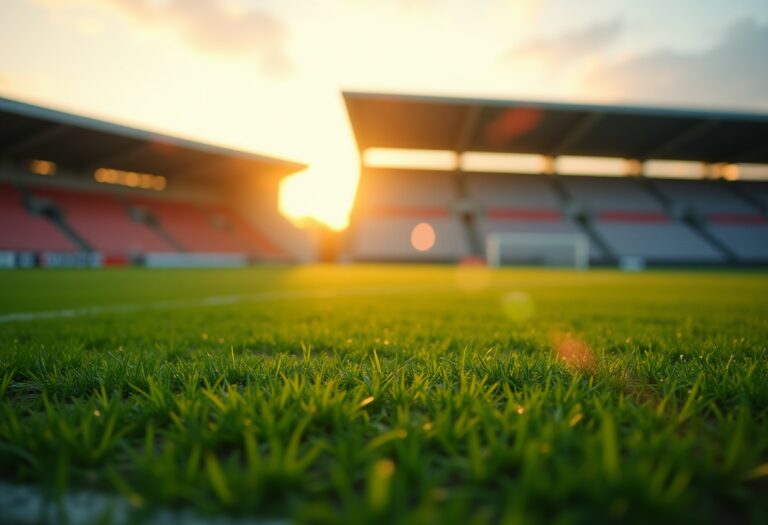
x=540, y=311
x=95, y=201
x=90, y=193
x=709, y=220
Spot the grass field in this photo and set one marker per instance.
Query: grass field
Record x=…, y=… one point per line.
x=374, y=394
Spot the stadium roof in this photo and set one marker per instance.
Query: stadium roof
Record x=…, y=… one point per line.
x=33, y=132
x=515, y=126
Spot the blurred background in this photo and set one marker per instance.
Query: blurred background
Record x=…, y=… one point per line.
x=227, y=78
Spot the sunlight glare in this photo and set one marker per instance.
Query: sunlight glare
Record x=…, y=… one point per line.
x=309, y=197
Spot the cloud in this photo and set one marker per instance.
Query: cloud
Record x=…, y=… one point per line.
x=219, y=26
x=569, y=47
x=731, y=73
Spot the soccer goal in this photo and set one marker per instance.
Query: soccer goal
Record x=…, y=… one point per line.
x=551, y=249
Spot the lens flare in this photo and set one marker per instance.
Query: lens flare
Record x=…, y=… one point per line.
x=572, y=351
x=423, y=237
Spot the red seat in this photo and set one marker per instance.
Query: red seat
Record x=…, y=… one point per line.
x=103, y=222
x=191, y=226
x=250, y=239
x=20, y=230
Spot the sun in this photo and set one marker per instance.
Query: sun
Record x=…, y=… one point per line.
x=317, y=195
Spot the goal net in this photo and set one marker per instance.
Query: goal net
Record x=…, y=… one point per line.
x=548, y=249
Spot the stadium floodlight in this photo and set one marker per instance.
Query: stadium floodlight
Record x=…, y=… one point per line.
x=564, y=249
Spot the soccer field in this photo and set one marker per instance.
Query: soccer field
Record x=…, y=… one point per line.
x=382, y=394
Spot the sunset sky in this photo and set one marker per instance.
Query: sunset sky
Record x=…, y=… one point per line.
x=266, y=75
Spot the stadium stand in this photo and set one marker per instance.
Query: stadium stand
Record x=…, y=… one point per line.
x=495, y=191
x=23, y=231
x=658, y=221
x=736, y=223
x=703, y=197
x=757, y=191
x=519, y=203
x=747, y=237
x=610, y=194
x=207, y=229
x=213, y=200
x=389, y=239
x=76, y=191
x=408, y=189
x=634, y=223
x=189, y=225
x=391, y=203
x=251, y=241
x=103, y=222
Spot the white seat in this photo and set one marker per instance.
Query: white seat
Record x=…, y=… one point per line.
x=606, y=193
x=389, y=238
x=662, y=242
x=748, y=241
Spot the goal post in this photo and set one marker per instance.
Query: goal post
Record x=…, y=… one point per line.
x=562, y=249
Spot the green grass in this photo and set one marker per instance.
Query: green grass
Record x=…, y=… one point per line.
x=414, y=395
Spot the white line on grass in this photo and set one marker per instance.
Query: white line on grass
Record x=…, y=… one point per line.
x=222, y=300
